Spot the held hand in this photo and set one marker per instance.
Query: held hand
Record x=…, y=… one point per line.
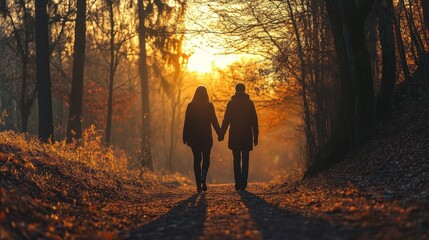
x=220, y=138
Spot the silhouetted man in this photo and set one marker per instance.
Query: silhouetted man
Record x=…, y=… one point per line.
x=241, y=116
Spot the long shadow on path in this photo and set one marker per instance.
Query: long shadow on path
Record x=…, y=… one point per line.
x=278, y=223
x=184, y=221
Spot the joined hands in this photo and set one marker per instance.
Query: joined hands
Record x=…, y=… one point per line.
x=220, y=137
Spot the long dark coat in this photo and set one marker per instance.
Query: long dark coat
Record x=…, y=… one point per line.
x=197, y=131
x=241, y=115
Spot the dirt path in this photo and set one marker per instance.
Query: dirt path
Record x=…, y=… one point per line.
x=223, y=213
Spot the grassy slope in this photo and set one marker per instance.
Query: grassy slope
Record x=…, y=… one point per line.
x=382, y=187
x=50, y=191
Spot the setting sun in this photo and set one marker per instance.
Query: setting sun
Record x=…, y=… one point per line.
x=207, y=52
x=204, y=60
x=200, y=62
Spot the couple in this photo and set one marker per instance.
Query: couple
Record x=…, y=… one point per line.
x=240, y=115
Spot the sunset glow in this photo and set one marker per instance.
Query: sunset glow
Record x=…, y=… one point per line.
x=200, y=62
x=204, y=60
x=201, y=119
x=206, y=53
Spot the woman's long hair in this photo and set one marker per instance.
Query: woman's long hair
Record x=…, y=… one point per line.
x=201, y=97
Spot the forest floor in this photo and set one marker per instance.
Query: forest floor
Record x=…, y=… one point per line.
x=380, y=192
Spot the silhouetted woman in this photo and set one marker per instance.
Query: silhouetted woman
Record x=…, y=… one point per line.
x=197, y=133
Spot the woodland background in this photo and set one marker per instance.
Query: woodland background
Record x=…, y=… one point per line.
x=118, y=71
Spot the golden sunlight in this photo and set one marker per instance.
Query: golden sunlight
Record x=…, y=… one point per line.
x=206, y=53
x=201, y=61
x=205, y=60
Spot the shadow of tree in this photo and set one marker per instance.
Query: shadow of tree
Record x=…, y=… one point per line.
x=184, y=221
x=278, y=223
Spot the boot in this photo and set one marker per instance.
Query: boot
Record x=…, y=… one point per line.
x=204, y=186
x=198, y=181
x=203, y=180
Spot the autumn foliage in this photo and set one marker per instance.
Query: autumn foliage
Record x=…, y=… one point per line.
x=60, y=190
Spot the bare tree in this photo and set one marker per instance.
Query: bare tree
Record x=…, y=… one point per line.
x=292, y=36
x=425, y=6
x=418, y=48
x=172, y=82
x=355, y=119
x=157, y=15
x=144, y=77
x=385, y=16
x=20, y=19
x=46, y=125
x=17, y=22
x=173, y=86
x=74, y=128
x=112, y=68
x=311, y=144
x=401, y=48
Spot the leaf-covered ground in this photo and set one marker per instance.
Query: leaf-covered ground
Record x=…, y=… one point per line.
x=382, y=188
x=46, y=195
x=380, y=192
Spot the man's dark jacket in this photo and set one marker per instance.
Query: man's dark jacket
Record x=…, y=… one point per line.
x=197, y=131
x=241, y=115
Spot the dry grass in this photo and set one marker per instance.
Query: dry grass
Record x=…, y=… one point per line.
x=89, y=151
x=60, y=190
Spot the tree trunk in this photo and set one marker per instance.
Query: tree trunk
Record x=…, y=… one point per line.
x=310, y=142
x=320, y=111
x=25, y=113
x=25, y=116
x=22, y=48
x=372, y=39
x=385, y=23
x=425, y=6
x=414, y=33
x=401, y=48
x=46, y=125
x=111, y=73
x=423, y=57
x=74, y=128
x=172, y=135
x=144, y=77
x=355, y=118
